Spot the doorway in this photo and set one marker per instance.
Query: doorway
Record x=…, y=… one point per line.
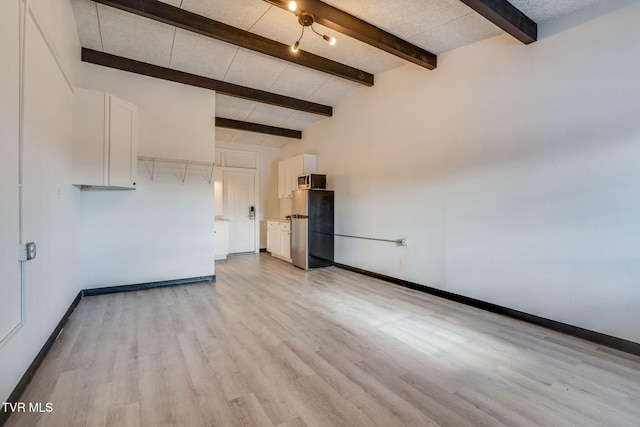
x=239, y=207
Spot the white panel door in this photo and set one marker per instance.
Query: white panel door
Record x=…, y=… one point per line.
x=10, y=292
x=122, y=132
x=239, y=207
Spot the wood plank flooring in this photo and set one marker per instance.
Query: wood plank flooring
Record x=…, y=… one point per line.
x=269, y=344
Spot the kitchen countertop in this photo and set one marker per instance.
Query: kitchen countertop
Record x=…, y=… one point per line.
x=279, y=219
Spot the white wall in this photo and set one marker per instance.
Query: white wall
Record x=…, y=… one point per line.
x=163, y=230
x=51, y=206
x=10, y=290
x=513, y=171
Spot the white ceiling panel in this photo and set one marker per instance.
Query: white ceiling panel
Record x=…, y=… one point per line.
x=279, y=25
x=201, y=55
x=346, y=50
x=300, y=120
x=541, y=10
x=86, y=15
x=135, y=37
x=457, y=33
x=378, y=62
x=237, y=13
x=299, y=82
x=224, y=134
x=254, y=70
x=243, y=137
x=269, y=115
x=230, y=107
x=333, y=90
x=277, y=141
x=404, y=18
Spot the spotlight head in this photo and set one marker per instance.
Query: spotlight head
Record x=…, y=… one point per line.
x=331, y=40
x=292, y=6
x=295, y=46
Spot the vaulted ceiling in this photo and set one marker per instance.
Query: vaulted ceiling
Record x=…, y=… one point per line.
x=264, y=96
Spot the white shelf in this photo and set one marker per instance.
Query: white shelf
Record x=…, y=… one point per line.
x=184, y=166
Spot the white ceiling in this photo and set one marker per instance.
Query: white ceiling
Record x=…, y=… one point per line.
x=435, y=25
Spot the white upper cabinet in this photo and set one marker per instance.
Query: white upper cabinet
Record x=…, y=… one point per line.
x=290, y=169
x=104, y=140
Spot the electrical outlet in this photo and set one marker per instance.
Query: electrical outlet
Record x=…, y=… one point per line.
x=31, y=250
x=404, y=242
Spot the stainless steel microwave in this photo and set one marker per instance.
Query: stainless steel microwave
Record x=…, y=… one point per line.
x=312, y=180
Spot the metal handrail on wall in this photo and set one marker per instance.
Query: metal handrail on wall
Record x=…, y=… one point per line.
x=400, y=242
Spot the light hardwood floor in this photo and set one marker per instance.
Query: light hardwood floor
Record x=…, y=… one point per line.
x=269, y=344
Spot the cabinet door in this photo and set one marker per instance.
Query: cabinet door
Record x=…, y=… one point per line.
x=286, y=244
x=297, y=165
x=285, y=240
x=281, y=179
x=89, y=143
x=122, y=143
x=308, y=163
x=288, y=167
x=221, y=243
x=272, y=237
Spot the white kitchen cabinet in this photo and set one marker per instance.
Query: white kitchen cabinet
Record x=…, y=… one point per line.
x=284, y=240
x=279, y=239
x=221, y=243
x=290, y=169
x=282, y=179
x=272, y=236
x=104, y=140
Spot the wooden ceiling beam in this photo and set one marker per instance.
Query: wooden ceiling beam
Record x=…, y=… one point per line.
x=137, y=67
x=257, y=128
x=356, y=28
x=507, y=17
x=171, y=15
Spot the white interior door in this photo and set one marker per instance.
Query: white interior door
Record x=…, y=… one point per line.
x=238, y=189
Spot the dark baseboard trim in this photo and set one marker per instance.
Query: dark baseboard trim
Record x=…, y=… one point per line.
x=144, y=286
x=31, y=371
x=263, y=249
x=596, y=337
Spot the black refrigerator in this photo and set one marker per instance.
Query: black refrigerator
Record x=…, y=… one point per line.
x=312, y=228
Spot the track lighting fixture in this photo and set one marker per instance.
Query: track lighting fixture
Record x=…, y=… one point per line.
x=306, y=20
